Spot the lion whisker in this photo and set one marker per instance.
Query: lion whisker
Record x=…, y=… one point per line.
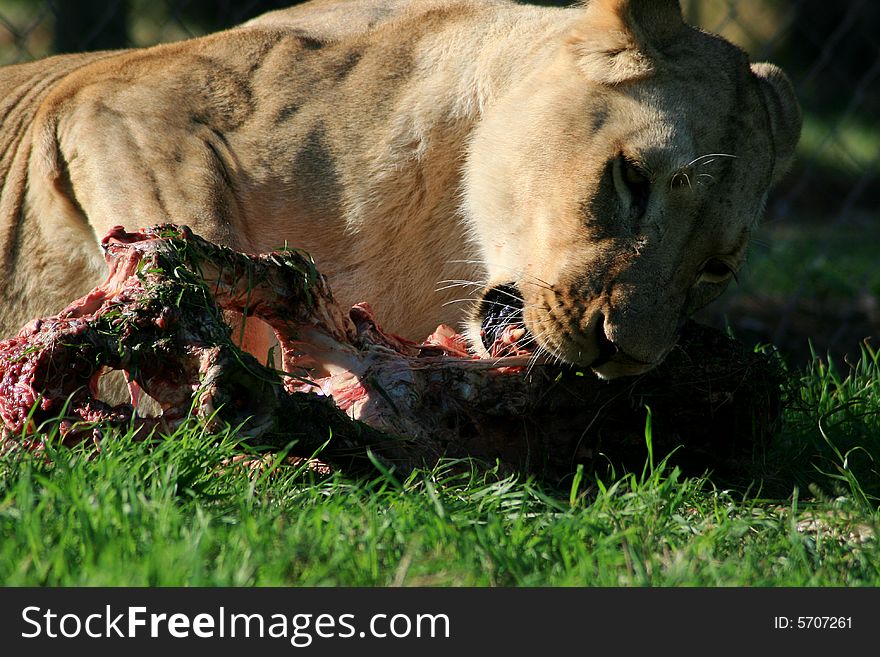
x=453, y=283
x=518, y=272
x=461, y=300
x=713, y=155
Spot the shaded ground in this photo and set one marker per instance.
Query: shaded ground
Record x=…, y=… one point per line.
x=809, y=283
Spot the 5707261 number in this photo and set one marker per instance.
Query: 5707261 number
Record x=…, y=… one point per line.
x=812, y=622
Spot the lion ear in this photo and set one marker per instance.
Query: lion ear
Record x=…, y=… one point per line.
x=784, y=112
x=615, y=41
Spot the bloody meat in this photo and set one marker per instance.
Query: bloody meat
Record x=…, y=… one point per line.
x=160, y=318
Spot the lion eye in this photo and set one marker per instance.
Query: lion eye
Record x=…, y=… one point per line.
x=715, y=271
x=633, y=185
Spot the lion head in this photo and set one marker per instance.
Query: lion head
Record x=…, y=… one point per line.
x=612, y=192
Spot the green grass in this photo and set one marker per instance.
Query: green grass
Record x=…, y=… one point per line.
x=832, y=262
x=173, y=514
x=834, y=428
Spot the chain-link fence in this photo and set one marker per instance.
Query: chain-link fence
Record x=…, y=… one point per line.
x=818, y=278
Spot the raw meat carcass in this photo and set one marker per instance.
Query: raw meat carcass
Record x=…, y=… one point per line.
x=160, y=317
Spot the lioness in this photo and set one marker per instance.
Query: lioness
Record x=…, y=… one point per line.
x=597, y=169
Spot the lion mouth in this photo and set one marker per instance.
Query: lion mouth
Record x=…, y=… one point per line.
x=503, y=332
x=606, y=349
x=612, y=361
x=502, y=327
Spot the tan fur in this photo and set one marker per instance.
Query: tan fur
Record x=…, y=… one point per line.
x=405, y=143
